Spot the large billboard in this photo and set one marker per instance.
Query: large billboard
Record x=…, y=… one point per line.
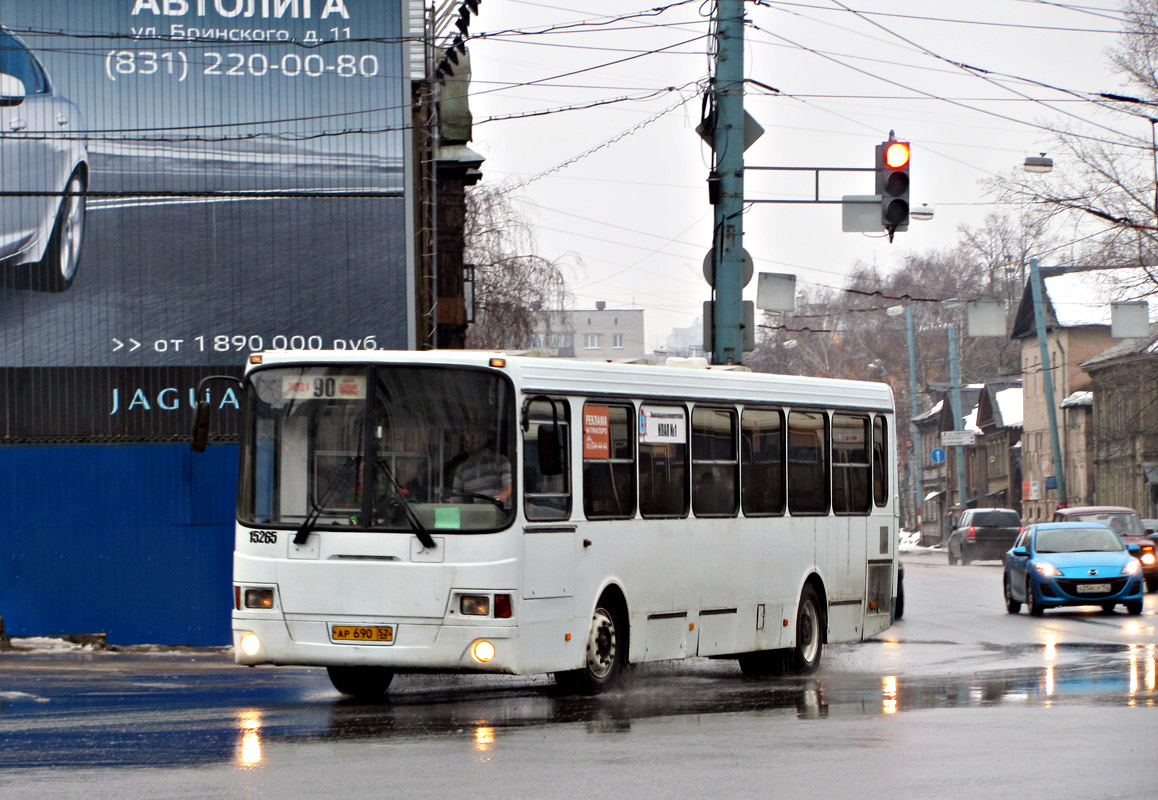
x=183, y=182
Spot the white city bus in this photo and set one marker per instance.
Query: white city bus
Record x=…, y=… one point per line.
x=654, y=513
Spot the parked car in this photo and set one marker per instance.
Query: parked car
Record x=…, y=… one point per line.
x=982, y=534
x=43, y=173
x=1127, y=523
x=1071, y=564
x=1150, y=526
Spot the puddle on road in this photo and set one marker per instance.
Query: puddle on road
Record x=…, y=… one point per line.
x=1120, y=677
x=213, y=723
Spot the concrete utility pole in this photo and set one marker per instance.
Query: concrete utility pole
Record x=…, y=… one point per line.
x=1059, y=470
x=914, y=434
x=958, y=421
x=728, y=144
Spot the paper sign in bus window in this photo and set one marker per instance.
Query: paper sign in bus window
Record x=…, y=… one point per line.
x=662, y=425
x=596, y=432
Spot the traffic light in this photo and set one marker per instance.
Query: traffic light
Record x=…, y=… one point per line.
x=893, y=184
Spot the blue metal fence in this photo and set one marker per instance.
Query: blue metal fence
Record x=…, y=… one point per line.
x=131, y=540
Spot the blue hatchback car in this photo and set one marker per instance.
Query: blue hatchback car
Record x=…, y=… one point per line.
x=1071, y=564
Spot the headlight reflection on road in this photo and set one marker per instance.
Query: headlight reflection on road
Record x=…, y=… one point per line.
x=889, y=689
x=1134, y=683
x=1151, y=668
x=1050, y=647
x=484, y=738
x=250, y=754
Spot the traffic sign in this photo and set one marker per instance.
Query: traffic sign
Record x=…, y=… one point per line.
x=953, y=438
x=937, y=455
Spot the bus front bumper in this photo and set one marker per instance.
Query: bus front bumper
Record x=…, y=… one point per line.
x=414, y=646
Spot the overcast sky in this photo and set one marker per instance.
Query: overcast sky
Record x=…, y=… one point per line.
x=618, y=190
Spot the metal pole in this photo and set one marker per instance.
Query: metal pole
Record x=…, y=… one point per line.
x=914, y=467
x=1047, y=380
x=958, y=423
x=728, y=143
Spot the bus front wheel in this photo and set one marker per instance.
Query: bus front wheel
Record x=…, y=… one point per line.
x=361, y=683
x=605, y=655
x=804, y=656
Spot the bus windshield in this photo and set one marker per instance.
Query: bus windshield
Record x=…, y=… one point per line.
x=378, y=448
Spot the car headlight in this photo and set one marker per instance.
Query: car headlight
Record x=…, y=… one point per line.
x=1132, y=568
x=1148, y=559
x=1047, y=569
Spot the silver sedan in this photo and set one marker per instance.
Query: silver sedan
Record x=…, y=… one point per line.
x=43, y=173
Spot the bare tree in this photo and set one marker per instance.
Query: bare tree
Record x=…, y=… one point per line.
x=511, y=283
x=849, y=332
x=1111, y=189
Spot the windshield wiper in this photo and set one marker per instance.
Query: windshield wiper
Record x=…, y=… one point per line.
x=317, y=506
x=416, y=525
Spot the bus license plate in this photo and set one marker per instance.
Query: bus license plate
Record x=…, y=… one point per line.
x=1090, y=588
x=363, y=634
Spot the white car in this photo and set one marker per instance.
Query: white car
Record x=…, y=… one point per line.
x=43, y=174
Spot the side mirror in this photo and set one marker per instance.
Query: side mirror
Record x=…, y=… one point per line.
x=12, y=90
x=550, y=450
x=1133, y=549
x=200, y=427
x=1020, y=552
x=201, y=413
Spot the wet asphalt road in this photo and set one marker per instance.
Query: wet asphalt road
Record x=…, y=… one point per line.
x=957, y=700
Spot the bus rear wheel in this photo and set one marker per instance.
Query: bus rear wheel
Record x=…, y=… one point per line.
x=605, y=655
x=804, y=657
x=361, y=683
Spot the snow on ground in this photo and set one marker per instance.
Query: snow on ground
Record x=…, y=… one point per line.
x=49, y=644
x=910, y=543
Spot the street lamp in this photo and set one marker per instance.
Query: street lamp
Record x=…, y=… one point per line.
x=923, y=212
x=1039, y=164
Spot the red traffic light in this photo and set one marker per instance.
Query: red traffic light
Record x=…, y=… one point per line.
x=897, y=154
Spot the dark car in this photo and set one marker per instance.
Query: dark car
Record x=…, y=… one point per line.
x=1071, y=564
x=1127, y=523
x=983, y=534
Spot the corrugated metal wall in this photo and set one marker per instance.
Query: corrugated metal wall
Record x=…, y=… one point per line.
x=131, y=540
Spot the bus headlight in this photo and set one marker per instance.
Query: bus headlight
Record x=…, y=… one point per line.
x=475, y=605
x=259, y=598
x=249, y=643
x=483, y=650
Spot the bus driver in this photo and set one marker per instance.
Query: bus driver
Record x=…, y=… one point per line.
x=483, y=472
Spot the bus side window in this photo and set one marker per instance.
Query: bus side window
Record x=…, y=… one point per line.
x=880, y=462
x=547, y=496
x=608, y=461
x=808, y=489
x=762, y=462
x=714, y=463
x=663, y=461
x=851, y=468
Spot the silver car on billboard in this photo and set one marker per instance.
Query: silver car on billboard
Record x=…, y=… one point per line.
x=43, y=174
